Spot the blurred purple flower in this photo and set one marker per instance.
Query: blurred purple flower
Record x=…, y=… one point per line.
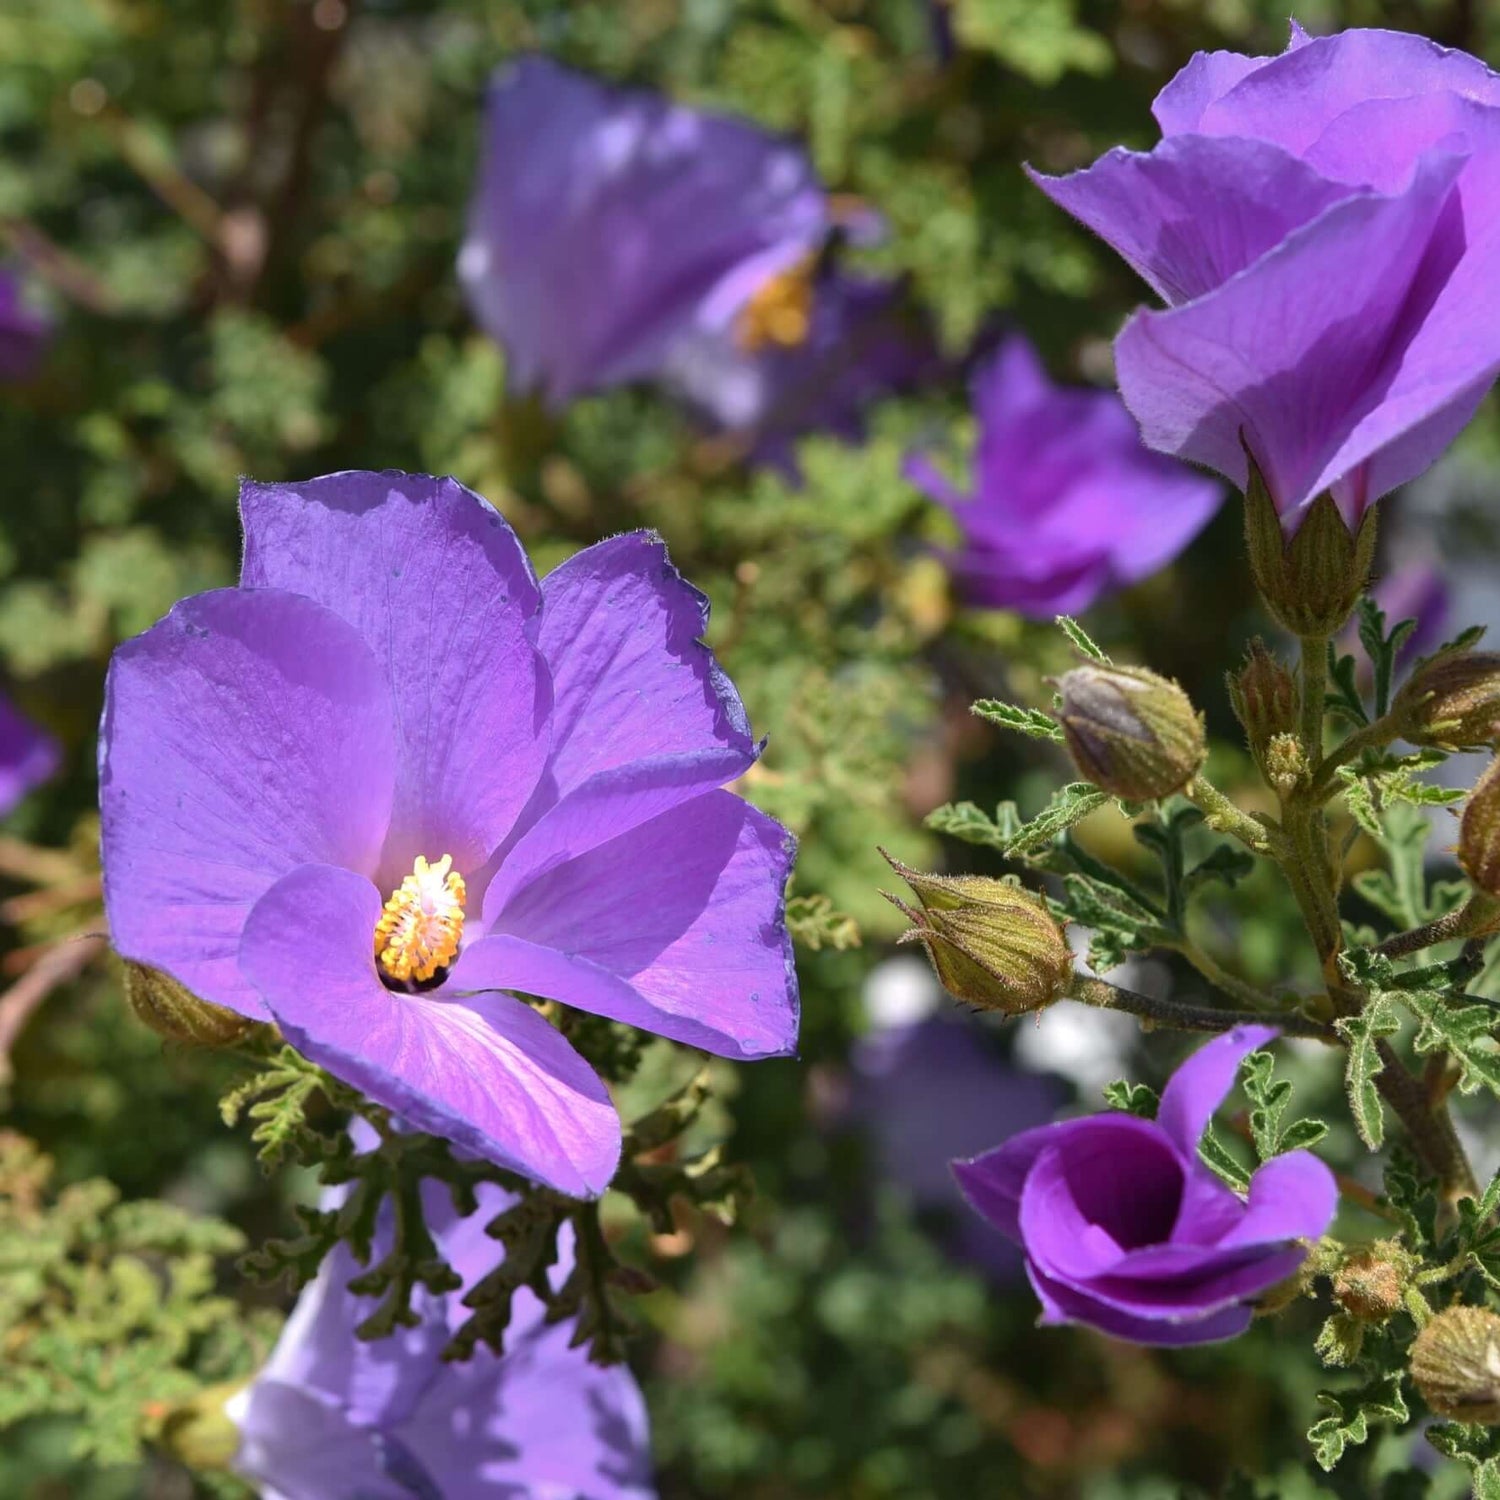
x=28, y=755
x=1324, y=227
x=928, y=1091
x=333, y=1417
x=1126, y=1230
x=1065, y=503
x=390, y=709
x=24, y=332
x=1417, y=591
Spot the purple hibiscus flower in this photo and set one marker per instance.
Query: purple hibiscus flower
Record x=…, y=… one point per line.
x=1125, y=1229
x=24, y=332
x=1324, y=227
x=28, y=755
x=1066, y=504
x=390, y=777
x=333, y=1417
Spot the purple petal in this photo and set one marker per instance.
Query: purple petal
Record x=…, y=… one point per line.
x=28, y=755
x=1292, y=1197
x=1181, y=1281
x=245, y=734
x=1196, y=210
x=435, y=581
x=677, y=926
x=1180, y=106
x=1210, y=1208
x=609, y=224
x=487, y=1073
x=300, y=1447
x=1293, y=351
x=1065, y=1304
x=1199, y=1086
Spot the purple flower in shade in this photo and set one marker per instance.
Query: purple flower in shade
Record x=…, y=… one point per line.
x=28, y=756
x=1066, y=504
x=390, y=776
x=1125, y=1229
x=24, y=332
x=1324, y=227
x=333, y=1417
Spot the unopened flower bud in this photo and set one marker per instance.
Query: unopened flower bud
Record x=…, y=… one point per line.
x=1371, y=1283
x=174, y=1012
x=1452, y=701
x=1479, y=832
x=198, y=1431
x=1132, y=733
x=1264, y=695
x=1312, y=580
x=1284, y=764
x=992, y=943
x=1455, y=1362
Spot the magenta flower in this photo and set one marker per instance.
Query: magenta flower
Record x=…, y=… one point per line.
x=24, y=332
x=1324, y=227
x=390, y=777
x=332, y=1417
x=28, y=755
x=1125, y=1229
x=1065, y=503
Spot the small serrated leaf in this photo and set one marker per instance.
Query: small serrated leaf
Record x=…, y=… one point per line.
x=1029, y=721
x=1363, y=1034
x=1082, y=642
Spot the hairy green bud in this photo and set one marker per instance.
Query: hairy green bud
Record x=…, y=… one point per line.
x=1452, y=701
x=1479, y=832
x=1371, y=1283
x=173, y=1011
x=1312, y=580
x=1455, y=1362
x=1132, y=733
x=992, y=943
x=1264, y=696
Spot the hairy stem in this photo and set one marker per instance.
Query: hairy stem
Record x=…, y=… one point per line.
x=1220, y=977
x=1224, y=816
x=1428, y=1124
x=1314, y=688
x=1477, y=916
x=1172, y=1013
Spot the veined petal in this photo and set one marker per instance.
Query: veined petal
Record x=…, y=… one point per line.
x=1065, y=1304
x=1200, y=1085
x=440, y=588
x=487, y=1073
x=677, y=926
x=1292, y=1197
x=247, y=733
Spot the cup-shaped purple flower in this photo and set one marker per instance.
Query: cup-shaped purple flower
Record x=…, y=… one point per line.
x=1126, y=1230
x=390, y=777
x=28, y=755
x=333, y=1416
x=1065, y=504
x=1324, y=228
x=24, y=332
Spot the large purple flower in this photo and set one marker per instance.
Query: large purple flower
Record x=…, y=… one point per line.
x=28, y=755
x=1324, y=227
x=1065, y=503
x=1125, y=1229
x=390, y=776
x=24, y=332
x=332, y=1417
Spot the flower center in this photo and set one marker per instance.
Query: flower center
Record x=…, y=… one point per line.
x=419, y=930
x=779, y=311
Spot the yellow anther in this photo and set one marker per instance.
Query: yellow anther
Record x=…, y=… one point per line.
x=419, y=931
x=779, y=311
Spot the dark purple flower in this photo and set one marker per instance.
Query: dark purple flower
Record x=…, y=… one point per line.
x=24, y=332
x=608, y=224
x=28, y=755
x=1125, y=1229
x=390, y=777
x=333, y=1417
x=1065, y=504
x=1324, y=227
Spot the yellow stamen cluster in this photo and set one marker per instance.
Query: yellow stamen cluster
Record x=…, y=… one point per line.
x=419, y=931
x=779, y=311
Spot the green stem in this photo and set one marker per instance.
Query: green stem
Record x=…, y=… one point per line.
x=1428, y=1124
x=1221, y=978
x=1374, y=736
x=1314, y=690
x=1106, y=996
x=1224, y=816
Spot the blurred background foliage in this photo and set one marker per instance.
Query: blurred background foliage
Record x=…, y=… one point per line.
x=244, y=216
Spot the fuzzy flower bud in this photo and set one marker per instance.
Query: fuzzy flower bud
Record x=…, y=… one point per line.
x=1455, y=1362
x=1264, y=696
x=1369, y=1285
x=1479, y=832
x=176, y=1013
x=1284, y=764
x=1312, y=580
x=1132, y=733
x=992, y=943
x=1452, y=701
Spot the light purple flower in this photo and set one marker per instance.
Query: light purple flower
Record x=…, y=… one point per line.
x=1065, y=504
x=24, y=332
x=333, y=1417
x=1125, y=1229
x=390, y=776
x=1324, y=227
x=28, y=755
x=1415, y=591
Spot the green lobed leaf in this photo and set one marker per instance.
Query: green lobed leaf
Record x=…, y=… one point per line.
x=1028, y=721
x=1137, y=1099
x=1351, y=1416
x=1362, y=1033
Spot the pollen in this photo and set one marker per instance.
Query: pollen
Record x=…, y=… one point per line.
x=779, y=311
x=419, y=931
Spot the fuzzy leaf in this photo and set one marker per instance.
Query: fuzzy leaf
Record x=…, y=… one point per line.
x=1362, y=1033
x=1028, y=721
x=1351, y=1415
